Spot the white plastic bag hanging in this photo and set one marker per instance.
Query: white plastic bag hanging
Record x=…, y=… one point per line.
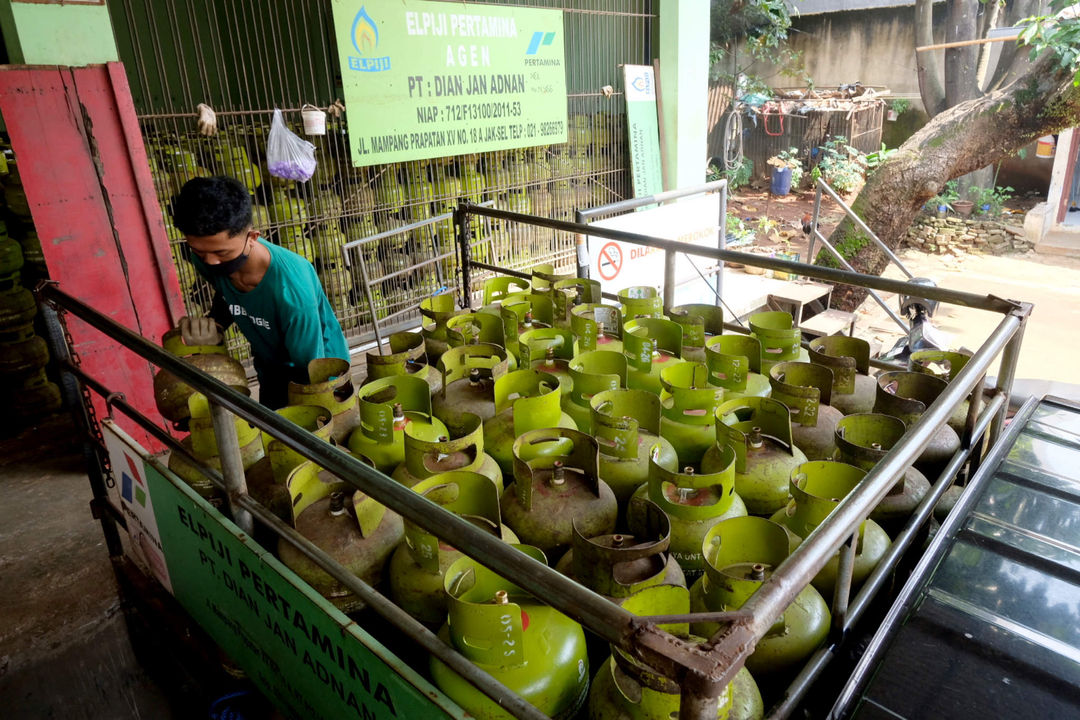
x=288, y=156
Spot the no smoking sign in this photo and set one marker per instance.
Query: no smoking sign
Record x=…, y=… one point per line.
x=609, y=261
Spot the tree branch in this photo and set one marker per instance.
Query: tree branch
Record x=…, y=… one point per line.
x=962, y=139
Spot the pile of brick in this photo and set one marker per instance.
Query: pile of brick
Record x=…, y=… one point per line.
x=957, y=236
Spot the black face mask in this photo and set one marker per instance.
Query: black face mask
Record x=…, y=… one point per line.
x=228, y=267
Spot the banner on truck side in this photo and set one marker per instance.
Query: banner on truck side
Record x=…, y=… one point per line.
x=431, y=79
x=131, y=492
x=618, y=265
x=310, y=659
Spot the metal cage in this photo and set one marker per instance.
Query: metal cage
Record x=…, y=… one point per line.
x=247, y=57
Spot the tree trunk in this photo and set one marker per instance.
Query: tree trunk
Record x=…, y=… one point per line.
x=961, y=63
x=931, y=85
x=960, y=140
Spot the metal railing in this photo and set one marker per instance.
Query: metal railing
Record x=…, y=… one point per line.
x=816, y=235
x=727, y=651
x=702, y=671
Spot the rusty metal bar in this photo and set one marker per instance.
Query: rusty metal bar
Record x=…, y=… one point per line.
x=799, y=568
x=843, y=277
x=232, y=465
x=372, y=598
x=611, y=622
x=881, y=574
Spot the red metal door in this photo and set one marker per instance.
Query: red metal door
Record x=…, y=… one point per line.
x=88, y=183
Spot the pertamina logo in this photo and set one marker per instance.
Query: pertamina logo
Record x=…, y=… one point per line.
x=365, y=38
x=134, y=491
x=540, y=38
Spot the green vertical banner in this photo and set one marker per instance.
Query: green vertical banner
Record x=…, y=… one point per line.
x=306, y=656
x=429, y=79
x=643, y=130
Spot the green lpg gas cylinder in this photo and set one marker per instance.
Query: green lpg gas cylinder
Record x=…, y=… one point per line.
x=202, y=444
x=741, y=554
x=11, y=255
x=641, y=301
x=759, y=431
x=779, y=337
x=557, y=488
x=358, y=532
x=21, y=352
x=626, y=689
x=734, y=363
x=688, y=411
x=330, y=385
x=863, y=440
x=520, y=313
x=945, y=364
x=542, y=277
x=469, y=374
x=806, y=389
x=650, y=344
x=266, y=479
x=434, y=312
x=171, y=394
x=498, y=287
x=174, y=343
x=618, y=565
x=524, y=400
x=700, y=323
x=693, y=501
x=549, y=350
x=425, y=457
x=626, y=425
x=591, y=372
x=190, y=472
x=406, y=357
x=906, y=395
x=532, y=649
x=468, y=328
x=418, y=565
x=853, y=390
x=316, y=419
x=596, y=327
x=569, y=293
x=387, y=407
x=817, y=487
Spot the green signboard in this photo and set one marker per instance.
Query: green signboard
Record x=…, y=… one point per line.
x=432, y=79
x=643, y=130
x=306, y=656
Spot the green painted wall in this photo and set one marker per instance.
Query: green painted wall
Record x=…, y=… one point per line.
x=684, y=70
x=41, y=34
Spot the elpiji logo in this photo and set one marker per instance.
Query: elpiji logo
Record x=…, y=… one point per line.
x=365, y=38
x=132, y=490
x=539, y=38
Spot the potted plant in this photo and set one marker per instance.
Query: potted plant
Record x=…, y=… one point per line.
x=982, y=197
x=942, y=203
x=898, y=107
x=786, y=171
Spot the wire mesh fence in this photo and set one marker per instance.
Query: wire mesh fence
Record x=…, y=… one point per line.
x=246, y=57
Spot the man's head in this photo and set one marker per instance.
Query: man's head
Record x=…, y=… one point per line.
x=215, y=216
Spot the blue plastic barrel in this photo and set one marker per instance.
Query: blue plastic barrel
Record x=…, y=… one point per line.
x=781, y=181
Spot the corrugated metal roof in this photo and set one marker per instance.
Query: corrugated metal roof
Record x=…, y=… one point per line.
x=820, y=7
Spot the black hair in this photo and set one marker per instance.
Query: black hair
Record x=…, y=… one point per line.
x=206, y=206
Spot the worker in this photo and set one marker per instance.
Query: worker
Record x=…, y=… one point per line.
x=272, y=294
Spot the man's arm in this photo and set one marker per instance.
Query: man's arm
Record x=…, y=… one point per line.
x=219, y=311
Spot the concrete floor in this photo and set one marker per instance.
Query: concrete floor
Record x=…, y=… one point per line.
x=64, y=645
x=73, y=643
x=1051, y=282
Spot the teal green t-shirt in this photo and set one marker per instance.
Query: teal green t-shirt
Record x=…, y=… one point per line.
x=286, y=317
